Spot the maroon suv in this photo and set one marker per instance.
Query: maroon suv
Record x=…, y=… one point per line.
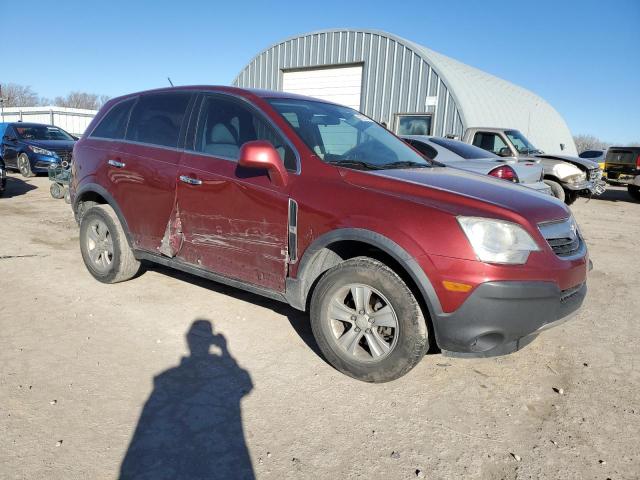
x=316, y=205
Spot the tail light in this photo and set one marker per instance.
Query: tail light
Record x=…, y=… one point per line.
x=505, y=172
x=638, y=162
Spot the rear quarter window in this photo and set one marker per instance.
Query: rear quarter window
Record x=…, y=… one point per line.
x=114, y=123
x=157, y=118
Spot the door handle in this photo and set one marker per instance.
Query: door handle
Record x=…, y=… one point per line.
x=190, y=181
x=116, y=163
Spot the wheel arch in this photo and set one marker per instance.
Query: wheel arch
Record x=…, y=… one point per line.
x=93, y=193
x=336, y=246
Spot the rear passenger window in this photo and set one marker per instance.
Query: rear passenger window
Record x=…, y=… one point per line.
x=114, y=123
x=157, y=119
x=226, y=125
x=427, y=150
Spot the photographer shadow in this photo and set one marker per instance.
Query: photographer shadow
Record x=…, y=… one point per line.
x=191, y=425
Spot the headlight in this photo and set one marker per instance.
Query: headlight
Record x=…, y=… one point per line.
x=498, y=241
x=41, y=151
x=580, y=177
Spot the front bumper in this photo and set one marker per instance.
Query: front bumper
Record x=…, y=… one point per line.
x=501, y=317
x=624, y=178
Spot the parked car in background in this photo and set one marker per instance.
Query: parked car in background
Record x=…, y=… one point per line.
x=597, y=156
x=622, y=166
x=33, y=148
x=318, y=206
x=3, y=176
x=457, y=154
x=569, y=177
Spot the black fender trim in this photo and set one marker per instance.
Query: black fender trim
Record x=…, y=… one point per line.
x=297, y=289
x=95, y=188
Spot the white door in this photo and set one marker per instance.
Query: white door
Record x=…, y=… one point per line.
x=341, y=85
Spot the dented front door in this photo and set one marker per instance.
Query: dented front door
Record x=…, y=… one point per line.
x=230, y=221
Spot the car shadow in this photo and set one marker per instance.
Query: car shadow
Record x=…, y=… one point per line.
x=615, y=195
x=16, y=187
x=299, y=320
x=191, y=424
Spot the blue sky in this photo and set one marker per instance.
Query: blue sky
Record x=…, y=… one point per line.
x=581, y=56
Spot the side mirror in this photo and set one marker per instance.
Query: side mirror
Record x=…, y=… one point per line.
x=8, y=138
x=261, y=154
x=505, y=152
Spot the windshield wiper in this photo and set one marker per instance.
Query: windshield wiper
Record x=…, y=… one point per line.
x=354, y=163
x=406, y=164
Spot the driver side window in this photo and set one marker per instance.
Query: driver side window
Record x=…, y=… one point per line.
x=225, y=125
x=337, y=139
x=489, y=141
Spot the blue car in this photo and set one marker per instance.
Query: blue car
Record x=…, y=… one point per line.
x=33, y=148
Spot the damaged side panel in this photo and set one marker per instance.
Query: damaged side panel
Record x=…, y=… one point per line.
x=173, y=238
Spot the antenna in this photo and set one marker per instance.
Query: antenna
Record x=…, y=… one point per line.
x=170, y=82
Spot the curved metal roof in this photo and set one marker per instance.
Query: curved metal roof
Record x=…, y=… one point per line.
x=482, y=99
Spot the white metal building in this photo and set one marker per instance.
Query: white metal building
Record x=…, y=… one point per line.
x=405, y=85
x=73, y=120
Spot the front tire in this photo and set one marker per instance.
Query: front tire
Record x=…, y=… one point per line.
x=367, y=322
x=104, y=247
x=634, y=192
x=24, y=165
x=570, y=197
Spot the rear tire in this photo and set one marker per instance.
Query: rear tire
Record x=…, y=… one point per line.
x=367, y=322
x=104, y=246
x=556, y=189
x=634, y=192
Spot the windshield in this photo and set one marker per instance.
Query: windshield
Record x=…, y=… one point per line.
x=343, y=136
x=520, y=142
x=466, y=151
x=41, y=132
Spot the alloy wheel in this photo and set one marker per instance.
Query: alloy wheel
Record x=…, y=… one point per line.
x=99, y=243
x=363, y=323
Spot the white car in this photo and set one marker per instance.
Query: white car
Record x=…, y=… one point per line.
x=454, y=153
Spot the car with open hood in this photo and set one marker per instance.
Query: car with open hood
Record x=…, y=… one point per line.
x=316, y=205
x=569, y=177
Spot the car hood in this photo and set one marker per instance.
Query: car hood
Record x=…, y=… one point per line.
x=577, y=161
x=51, y=144
x=464, y=192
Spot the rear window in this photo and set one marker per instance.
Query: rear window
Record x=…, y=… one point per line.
x=591, y=154
x=466, y=151
x=114, y=123
x=620, y=155
x=427, y=150
x=157, y=119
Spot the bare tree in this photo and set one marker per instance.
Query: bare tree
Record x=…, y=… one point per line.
x=589, y=142
x=14, y=95
x=89, y=101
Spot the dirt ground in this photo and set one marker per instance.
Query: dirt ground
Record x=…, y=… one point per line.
x=97, y=378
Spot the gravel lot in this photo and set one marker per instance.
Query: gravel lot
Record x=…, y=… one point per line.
x=78, y=361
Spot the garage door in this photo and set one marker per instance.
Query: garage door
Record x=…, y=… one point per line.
x=340, y=85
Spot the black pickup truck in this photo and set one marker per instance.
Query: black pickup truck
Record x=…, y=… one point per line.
x=622, y=166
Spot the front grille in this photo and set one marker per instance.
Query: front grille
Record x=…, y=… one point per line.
x=595, y=174
x=564, y=247
x=64, y=155
x=569, y=292
x=563, y=237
